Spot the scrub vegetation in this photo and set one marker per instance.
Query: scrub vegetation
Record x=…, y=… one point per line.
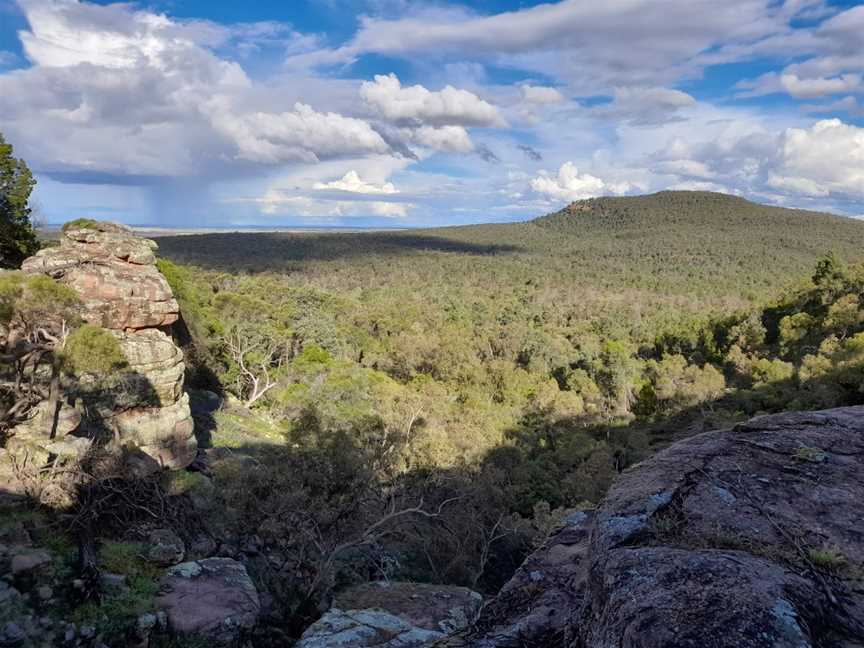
x=488, y=379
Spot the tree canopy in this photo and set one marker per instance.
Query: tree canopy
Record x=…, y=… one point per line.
x=17, y=236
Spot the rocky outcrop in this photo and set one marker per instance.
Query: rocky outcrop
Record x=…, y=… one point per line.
x=749, y=537
x=114, y=273
x=212, y=598
x=393, y=615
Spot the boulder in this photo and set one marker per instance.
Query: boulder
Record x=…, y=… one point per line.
x=212, y=598
x=393, y=615
x=746, y=537
x=165, y=548
x=29, y=562
x=165, y=434
x=40, y=422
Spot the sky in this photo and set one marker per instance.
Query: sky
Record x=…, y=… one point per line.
x=400, y=113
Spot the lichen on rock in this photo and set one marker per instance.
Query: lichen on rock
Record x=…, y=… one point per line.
x=719, y=540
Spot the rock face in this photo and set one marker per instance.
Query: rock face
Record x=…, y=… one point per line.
x=393, y=615
x=749, y=537
x=212, y=598
x=114, y=272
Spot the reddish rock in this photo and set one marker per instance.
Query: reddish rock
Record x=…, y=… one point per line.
x=114, y=272
x=212, y=598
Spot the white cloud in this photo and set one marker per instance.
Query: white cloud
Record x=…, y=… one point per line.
x=810, y=88
x=102, y=75
x=352, y=183
x=277, y=202
x=451, y=139
x=593, y=45
x=686, y=168
x=826, y=158
x=821, y=160
x=830, y=59
x=416, y=104
x=645, y=106
x=7, y=58
x=302, y=134
x=569, y=185
x=541, y=95
x=700, y=185
x=797, y=185
x=846, y=104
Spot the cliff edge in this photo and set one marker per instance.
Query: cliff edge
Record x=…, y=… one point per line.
x=745, y=537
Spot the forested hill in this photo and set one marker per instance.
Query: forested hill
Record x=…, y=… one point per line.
x=694, y=228
x=695, y=210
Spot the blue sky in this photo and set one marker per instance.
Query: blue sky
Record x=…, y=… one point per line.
x=404, y=113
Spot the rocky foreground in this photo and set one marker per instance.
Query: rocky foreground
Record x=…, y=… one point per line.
x=749, y=537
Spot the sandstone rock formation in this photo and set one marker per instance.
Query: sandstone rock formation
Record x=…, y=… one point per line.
x=742, y=538
x=114, y=272
x=393, y=615
x=212, y=598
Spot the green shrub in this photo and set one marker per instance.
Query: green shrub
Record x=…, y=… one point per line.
x=92, y=349
x=80, y=223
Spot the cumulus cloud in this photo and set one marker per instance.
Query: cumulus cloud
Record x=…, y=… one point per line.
x=448, y=139
x=101, y=75
x=685, y=168
x=302, y=134
x=278, y=202
x=352, y=183
x=416, y=104
x=569, y=185
x=826, y=158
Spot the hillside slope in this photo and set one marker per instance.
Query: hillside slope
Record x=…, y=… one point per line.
x=712, y=240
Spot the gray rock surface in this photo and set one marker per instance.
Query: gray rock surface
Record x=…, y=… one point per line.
x=212, y=598
x=165, y=548
x=749, y=537
x=393, y=615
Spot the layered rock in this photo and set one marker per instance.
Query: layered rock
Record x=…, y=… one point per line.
x=393, y=615
x=114, y=273
x=742, y=538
